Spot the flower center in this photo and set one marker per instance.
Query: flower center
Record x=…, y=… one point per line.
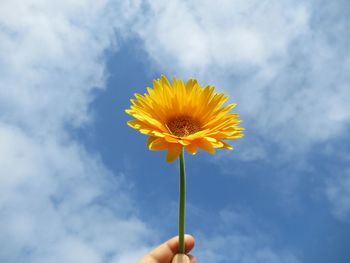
x=183, y=126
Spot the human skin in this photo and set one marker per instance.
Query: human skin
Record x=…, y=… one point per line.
x=165, y=253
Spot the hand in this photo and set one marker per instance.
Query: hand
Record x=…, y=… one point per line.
x=166, y=252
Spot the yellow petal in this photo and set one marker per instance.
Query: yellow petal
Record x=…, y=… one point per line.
x=192, y=148
x=173, y=152
x=217, y=144
x=205, y=145
x=171, y=139
x=136, y=124
x=210, y=139
x=158, y=144
x=165, y=81
x=151, y=139
x=227, y=146
x=184, y=142
x=141, y=126
x=157, y=134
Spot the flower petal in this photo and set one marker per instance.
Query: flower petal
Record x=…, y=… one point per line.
x=151, y=139
x=205, y=145
x=174, y=151
x=184, y=142
x=192, y=148
x=171, y=139
x=158, y=144
x=227, y=146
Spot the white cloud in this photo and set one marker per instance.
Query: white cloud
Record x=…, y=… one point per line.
x=185, y=36
x=338, y=193
x=58, y=202
x=240, y=240
x=52, y=57
x=283, y=62
x=240, y=248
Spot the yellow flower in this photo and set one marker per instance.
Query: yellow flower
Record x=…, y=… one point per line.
x=181, y=115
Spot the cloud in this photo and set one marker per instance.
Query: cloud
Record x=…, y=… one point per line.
x=202, y=35
x=338, y=193
x=48, y=52
x=239, y=239
x=58, y=203
x=240, y=248
x=284, y=63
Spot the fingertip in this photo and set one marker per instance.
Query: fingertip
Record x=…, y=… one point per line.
x=189, y=242
x=189, y=237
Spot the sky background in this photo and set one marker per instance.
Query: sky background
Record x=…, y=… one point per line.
x=78, y=185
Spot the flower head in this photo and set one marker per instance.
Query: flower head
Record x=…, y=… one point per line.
x=181, y=115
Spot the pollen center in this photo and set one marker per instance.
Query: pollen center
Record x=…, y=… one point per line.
x=183, y=126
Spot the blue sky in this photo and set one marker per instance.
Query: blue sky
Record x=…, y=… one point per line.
x=78, y=185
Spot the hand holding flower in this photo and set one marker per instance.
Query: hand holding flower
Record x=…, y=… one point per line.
x=167, y=252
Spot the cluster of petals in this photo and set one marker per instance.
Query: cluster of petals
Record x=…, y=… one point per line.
x=181, y=115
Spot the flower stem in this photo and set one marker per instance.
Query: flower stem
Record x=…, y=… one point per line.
x=182, y=204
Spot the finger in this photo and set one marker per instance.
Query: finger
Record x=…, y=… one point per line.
x=181, y=258
x=173, y=244
x=166, y=251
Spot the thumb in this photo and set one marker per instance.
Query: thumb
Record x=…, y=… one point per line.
x=181, y=258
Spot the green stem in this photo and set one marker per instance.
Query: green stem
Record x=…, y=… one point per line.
x=182, y=204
